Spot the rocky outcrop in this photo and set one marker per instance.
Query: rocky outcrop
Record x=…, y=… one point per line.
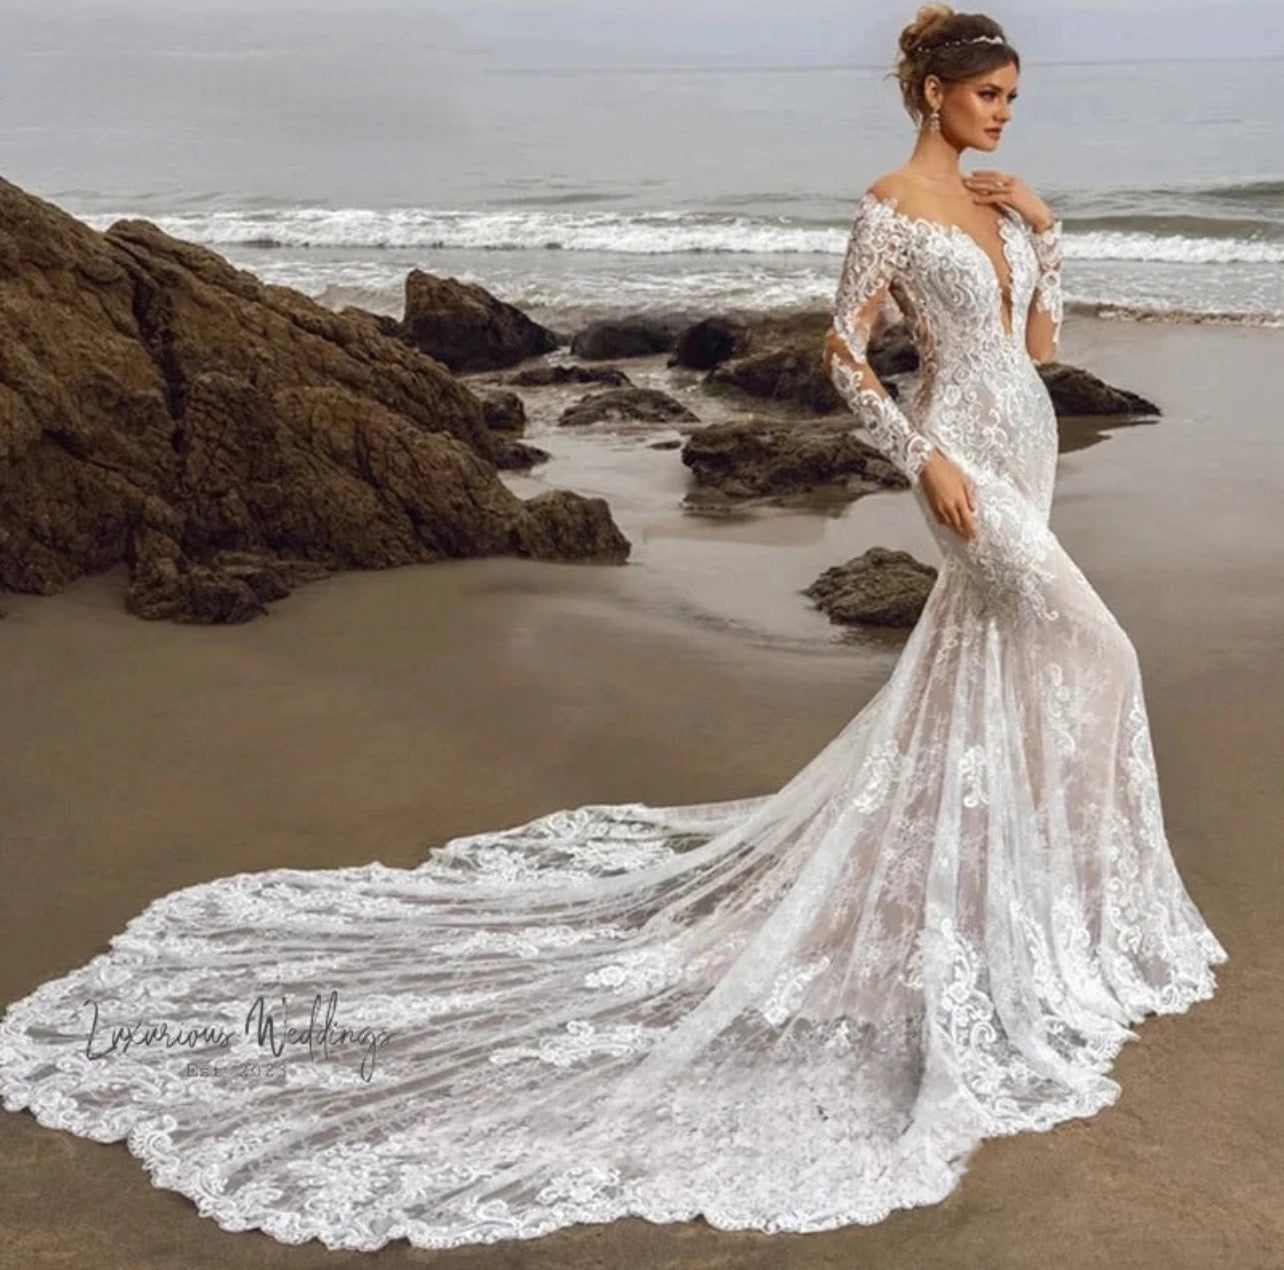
x=879, y=587
x=466, y=328
x=228, y=439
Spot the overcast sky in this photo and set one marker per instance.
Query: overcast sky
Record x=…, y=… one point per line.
x=567, y=33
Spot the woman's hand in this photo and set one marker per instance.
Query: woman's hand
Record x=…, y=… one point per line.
x=950, y=493
x=990, y=186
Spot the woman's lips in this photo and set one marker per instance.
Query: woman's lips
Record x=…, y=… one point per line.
x=995, y=132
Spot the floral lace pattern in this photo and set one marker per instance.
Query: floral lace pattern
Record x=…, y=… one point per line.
x=787, y=1012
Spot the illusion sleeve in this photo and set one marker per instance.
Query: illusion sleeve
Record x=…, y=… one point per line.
x=1047, y=288
x=867, y=269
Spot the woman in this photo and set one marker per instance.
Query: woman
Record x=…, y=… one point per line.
x=787, y=1012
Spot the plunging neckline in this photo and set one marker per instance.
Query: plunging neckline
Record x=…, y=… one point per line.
x=948, y=227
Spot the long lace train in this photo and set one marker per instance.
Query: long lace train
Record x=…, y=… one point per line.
x=788, y=1012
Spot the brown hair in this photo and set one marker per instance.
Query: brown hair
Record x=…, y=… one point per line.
x=928, y=47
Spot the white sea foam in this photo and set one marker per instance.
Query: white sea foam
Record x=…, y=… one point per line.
x=640, y=233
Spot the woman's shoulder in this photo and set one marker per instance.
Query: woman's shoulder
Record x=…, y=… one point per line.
x=891, y=185
x=885, y=193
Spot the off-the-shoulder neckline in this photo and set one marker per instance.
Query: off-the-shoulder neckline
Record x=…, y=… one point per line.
x=888, y=202
x=1008, y=218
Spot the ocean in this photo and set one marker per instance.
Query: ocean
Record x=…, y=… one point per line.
x=332, y=155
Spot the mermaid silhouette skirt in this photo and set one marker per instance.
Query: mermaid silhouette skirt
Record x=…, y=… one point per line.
x=788, y=1012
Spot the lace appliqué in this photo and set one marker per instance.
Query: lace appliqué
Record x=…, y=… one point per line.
x=1048, y=296
x=868, y=266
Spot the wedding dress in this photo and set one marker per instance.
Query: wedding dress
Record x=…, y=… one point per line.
x=787, y=1012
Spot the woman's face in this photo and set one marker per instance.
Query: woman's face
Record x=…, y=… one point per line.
x=975, y=111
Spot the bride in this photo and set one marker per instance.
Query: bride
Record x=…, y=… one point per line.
x=787, y=1012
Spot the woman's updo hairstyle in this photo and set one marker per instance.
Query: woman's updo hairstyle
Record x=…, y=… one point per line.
x=929, y=47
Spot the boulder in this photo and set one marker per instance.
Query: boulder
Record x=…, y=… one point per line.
x=466, y=328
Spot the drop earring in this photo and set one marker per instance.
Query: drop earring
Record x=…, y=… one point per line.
x=934, y=120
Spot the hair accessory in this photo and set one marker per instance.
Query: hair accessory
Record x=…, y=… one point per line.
x=972, y=39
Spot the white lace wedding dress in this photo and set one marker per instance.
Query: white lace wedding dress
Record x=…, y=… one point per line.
x=788, y=1012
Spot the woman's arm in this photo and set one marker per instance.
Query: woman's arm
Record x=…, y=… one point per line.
x=1043, y=322
x=867, y=269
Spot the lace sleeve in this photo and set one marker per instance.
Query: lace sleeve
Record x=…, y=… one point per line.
x=867, y=269
x=1047, y=288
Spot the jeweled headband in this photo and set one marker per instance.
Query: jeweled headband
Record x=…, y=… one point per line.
x=972, y=39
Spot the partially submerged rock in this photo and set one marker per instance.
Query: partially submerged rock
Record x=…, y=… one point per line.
x=625, y=404
x=565, y=373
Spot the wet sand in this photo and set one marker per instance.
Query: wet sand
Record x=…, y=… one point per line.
x=372, y=716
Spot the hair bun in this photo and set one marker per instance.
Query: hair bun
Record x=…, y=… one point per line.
x=926, y=22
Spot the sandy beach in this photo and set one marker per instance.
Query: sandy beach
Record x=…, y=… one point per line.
x=372, y=716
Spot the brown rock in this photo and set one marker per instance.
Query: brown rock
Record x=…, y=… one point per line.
x=465, y=327
x=228, y=439
x=710, y=341
x=619, y=404
x=638, y=336
x=1075, y=391
x=792, y=373
x=548, y=376
x=761, y=457
x=878, y=587
x=503, y=411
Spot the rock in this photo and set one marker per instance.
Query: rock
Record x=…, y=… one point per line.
x=893, y=352
x=519, y=455
x=503, y=411
x=710, y=341
x=785, y=363
x=1075, y=391
x=228, y=439
x=637, y=336
x=547, y=376
x=879, y=587
x=557, y=524
x=622, y=404
x=466, y=328
x=758, y=457
x=793, y=374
